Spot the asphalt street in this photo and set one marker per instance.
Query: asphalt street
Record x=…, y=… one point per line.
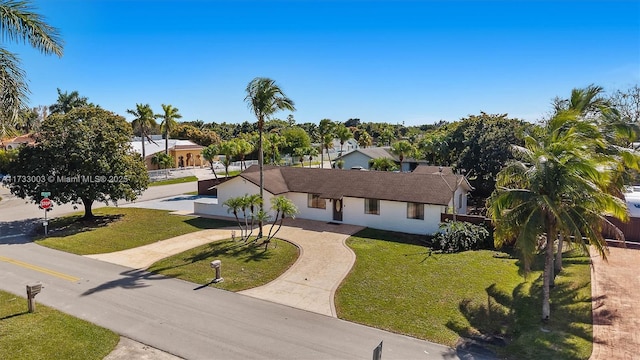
x=180, y=317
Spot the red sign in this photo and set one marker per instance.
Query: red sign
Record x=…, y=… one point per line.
x=45, y=203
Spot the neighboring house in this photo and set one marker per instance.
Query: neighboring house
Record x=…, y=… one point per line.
x=404, y=202
x=16, y=142
x=184, y=152
x=359, y=158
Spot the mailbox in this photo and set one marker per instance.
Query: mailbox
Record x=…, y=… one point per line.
x=32, y=291
x=217, y=264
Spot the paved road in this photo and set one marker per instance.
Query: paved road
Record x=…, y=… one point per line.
x=175, y=316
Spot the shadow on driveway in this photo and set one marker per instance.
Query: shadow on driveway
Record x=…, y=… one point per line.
x=132, y=279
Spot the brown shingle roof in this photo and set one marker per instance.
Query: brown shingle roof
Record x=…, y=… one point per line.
x=336, y=183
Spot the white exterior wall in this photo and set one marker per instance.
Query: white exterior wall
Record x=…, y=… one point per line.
x=393, y=216
x=230, y=189
x=461, y=208
x=305, y=212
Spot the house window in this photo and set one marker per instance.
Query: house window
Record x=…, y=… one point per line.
x=415, y=211
x=372, y=206
x=314, y=201
x=460, y=201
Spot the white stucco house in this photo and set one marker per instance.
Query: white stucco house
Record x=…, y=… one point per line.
x=404, y=202
x=360, y=158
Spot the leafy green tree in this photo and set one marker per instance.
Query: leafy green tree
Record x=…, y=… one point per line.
x=481, y=145
x=387, y=136
x=169, y=116
x=6, y=157
x=434, y=148
x=22, y=24
x=295, y=138
x=402, y=149
x=82, y=156
x=627, y=102
x=383, y=164
x=143, y=123
x=265, y=98
x=555, y=186
x=68, y=101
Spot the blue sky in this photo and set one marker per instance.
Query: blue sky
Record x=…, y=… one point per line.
x=415, y=62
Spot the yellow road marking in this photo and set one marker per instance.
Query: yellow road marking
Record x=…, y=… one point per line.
x=40, y=269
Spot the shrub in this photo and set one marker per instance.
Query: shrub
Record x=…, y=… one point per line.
x=456, y=236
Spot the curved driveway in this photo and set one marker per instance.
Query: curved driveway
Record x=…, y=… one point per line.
x=309, y=284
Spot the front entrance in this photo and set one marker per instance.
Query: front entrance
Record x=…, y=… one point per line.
x=337, y=209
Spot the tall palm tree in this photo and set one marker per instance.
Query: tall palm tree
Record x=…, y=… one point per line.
x=168, y=123
x=554, y=187
x=143, y=123
x=325, y=128
x=327, y=143
x=21, y=24
x=344, y=134
x=265, y=98
x=402, y=148
x=68, y=101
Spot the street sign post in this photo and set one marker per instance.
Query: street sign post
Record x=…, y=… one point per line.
x=45, y=194
x=45, y=204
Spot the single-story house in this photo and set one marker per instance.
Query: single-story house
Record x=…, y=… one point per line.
x=16, y=142
x=360, y=157
x=404, y=202
x=185, y=153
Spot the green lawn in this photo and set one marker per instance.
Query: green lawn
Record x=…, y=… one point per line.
x=117, y=229
x=48, y=333
x=244, y=265
x=397, y=285
x=174, y=181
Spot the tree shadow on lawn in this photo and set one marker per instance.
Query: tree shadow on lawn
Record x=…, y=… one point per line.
x=245, y=252
x=206, y=223
x=511, y=323
x=75, y=224
x=403, y=238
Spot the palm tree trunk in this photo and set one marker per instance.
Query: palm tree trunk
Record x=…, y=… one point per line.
x=558, y=264
x=546, y=276
x=166, y=142
x=261, y=166
x=321, y=156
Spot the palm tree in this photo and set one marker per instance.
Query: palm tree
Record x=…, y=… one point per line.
x=325, y=128
x=555, y=187
x=234, y=205
x=168, y=123
x=402, y=148
x=284, y=208
x=163, y=161
x=311, y=152
x=344, y=134
x=20, y=23
x=383, y=164
x=143, y=122
x=209, y=154
x=365, y=140
x=327, y=143
x=68, y=101
x=265, y=98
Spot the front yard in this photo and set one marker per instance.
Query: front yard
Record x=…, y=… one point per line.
x=398, y=285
